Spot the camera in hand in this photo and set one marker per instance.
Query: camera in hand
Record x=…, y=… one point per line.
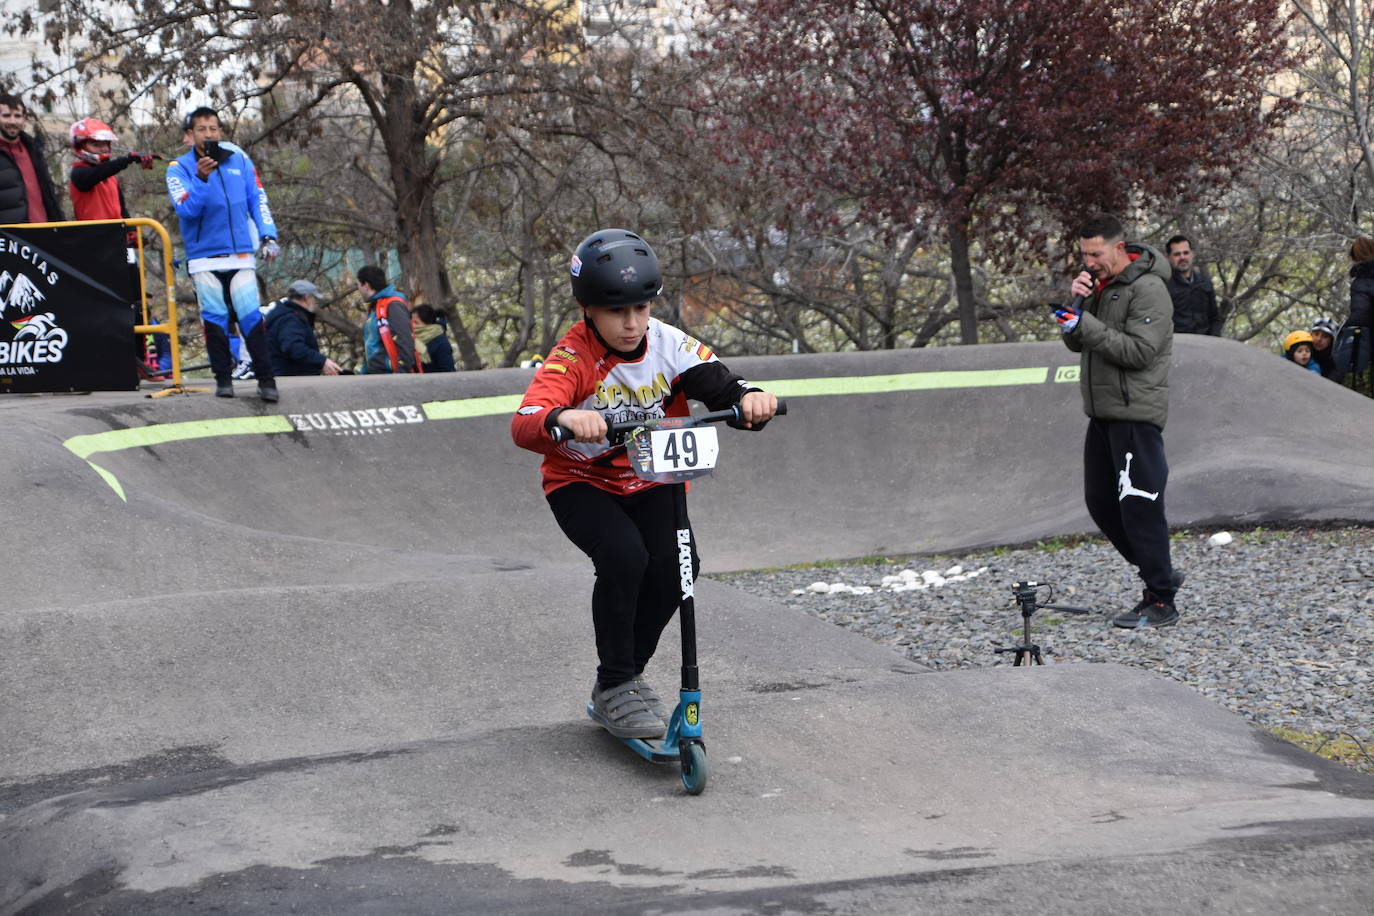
x=216, y=152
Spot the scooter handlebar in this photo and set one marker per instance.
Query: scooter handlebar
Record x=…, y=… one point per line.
x=617, y=431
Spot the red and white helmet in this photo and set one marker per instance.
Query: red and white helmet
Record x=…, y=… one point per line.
x=88, y=129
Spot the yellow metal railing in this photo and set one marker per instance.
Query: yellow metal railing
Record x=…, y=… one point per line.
x=168, y=325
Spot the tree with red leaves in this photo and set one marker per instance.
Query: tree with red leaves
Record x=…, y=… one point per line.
x=993, y=122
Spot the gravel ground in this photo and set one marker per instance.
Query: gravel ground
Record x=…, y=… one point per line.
x=1277, y=625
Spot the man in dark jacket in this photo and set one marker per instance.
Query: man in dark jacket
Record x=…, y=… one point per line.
x=1119, y=323
x=1195, y=302
x=26, y=189
x=291, y=342
x=1352, y=346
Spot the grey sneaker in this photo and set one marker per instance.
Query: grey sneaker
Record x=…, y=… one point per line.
x=623, y=711
x=651, y=698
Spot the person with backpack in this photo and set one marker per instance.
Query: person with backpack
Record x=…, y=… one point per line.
x=388, y=342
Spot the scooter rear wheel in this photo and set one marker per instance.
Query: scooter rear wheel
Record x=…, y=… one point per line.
x=694, y=769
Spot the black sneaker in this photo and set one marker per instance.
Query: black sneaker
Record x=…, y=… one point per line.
x=268, y=392
x=1152, y=611
x=224, y=389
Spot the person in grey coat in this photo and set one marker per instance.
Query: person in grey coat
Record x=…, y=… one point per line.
x=1120, y=324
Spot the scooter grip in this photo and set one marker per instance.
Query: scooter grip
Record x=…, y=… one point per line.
x=782, y=408
x=560, y=434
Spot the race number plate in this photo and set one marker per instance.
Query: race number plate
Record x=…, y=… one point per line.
x=676, y=450
x=673, y=454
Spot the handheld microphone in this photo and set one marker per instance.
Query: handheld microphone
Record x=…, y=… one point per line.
x=1076, y=303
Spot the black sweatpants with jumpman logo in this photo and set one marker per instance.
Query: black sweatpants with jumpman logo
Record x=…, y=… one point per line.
x=1124, y=475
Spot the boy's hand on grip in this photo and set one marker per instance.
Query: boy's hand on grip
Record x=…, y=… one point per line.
x=585, y=425
x=757, y=407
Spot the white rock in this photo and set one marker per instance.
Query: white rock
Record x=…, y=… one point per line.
x=820, y=588
x=1220, y=539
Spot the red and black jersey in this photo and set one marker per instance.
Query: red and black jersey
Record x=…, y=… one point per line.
x=582, y=373
x=95, y=190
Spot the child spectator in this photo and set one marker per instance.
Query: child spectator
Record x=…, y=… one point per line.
x=1297, y=347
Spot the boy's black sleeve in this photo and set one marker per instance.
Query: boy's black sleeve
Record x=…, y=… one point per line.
x=85, y=177
x=715, y=386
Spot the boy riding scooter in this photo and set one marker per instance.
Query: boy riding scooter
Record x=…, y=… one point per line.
x=619, y=364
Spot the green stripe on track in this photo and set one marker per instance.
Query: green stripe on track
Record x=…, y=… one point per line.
x=115, y=440
x=465, y=408
x=472, y=407
x=158, y=434
x=906, y=381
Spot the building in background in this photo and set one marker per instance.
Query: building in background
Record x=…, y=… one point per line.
x=658, y=26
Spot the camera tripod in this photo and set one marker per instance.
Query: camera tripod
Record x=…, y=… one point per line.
x=1024, y=594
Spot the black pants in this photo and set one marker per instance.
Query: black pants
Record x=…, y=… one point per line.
x=252, y=328
x=632, y=541
x=1124, y=475
x=222, y=355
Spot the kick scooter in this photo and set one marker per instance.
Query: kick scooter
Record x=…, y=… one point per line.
x=673, y=450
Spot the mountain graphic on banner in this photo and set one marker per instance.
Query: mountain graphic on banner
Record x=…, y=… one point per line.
x=20, y=295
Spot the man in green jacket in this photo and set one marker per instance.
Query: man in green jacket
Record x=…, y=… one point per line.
x=1120, y=322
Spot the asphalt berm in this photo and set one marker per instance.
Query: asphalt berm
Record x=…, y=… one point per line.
x=330, y=656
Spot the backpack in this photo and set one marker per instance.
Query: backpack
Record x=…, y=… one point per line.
x=388, y=340
x=1352, y=345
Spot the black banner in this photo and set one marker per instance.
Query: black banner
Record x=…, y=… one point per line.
x=66, y=321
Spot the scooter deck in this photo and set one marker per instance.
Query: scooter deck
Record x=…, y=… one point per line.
x=656, y=750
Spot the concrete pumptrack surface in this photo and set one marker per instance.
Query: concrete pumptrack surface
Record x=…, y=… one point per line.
x=332, y=654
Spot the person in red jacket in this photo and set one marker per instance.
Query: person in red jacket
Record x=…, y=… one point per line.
x=620, y=364
x=96, y=194
x=95, y=189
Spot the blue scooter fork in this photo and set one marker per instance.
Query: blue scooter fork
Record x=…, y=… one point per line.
x=684, y=726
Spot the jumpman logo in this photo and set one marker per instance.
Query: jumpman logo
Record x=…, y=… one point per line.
x=1125, y=488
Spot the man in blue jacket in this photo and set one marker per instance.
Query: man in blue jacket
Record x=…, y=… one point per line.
x=225, y=221
x=291, y=340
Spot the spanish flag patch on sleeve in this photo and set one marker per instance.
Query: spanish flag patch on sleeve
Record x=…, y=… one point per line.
x=555, y=367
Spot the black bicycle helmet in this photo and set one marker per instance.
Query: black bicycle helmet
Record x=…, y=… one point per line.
x=615, y=267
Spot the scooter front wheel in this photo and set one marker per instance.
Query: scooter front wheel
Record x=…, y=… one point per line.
x=694, y=768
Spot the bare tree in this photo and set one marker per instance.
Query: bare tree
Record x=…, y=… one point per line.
x=412, y=71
